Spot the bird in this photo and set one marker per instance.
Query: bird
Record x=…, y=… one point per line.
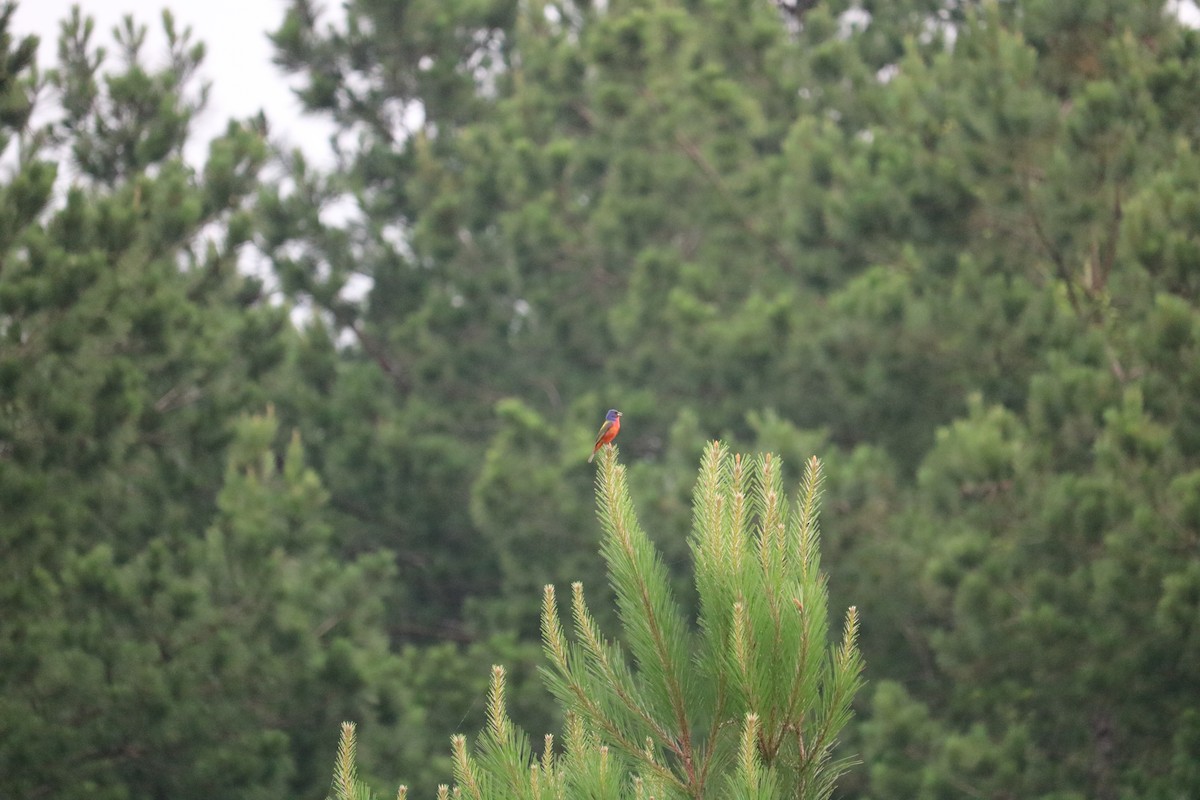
x=608, y=431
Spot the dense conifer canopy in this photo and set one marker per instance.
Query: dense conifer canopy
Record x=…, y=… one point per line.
x=265, y=468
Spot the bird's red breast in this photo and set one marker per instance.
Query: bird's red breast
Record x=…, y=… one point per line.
x=608, y=431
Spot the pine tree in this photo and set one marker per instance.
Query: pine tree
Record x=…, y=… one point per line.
x=747, y=702
x=174, y=620
x=953, y=243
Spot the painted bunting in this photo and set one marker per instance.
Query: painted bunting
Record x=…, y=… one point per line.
x=608, y=431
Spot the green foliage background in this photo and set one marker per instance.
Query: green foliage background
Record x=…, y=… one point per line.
x=953, y=248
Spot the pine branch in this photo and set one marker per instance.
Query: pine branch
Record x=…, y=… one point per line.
x=610, y=666
x=465, y=774
x=653, y=622
x=504, y=751
x=567, y=683
x=346, y=785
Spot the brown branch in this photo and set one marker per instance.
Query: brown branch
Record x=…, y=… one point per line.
x=697, y=157
x=1108, y=254
x=1056, y=257
x=442, y=633
x=693, y=152
x=372, y=347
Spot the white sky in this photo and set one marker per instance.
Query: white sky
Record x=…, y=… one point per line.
x=1187, y=10
x=237, y=62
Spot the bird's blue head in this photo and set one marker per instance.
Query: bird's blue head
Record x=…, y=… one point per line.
x=612, y=415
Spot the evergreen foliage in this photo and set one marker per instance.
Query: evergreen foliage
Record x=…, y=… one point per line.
x=748, y=702
x=169, y=595
x=951, y=246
